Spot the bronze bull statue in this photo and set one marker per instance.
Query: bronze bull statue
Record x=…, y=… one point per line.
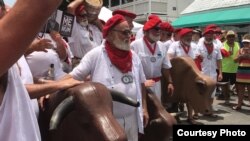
x=190, y=84
x=83, y=113
x=160, y=123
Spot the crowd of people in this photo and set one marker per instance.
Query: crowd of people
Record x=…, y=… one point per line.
x=108, y=53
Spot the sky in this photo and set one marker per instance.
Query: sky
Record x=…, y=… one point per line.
x=9, y=2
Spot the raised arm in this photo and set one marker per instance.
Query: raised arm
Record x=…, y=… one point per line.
x=19, y=27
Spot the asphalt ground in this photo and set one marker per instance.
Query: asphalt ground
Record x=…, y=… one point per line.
x=226, y=115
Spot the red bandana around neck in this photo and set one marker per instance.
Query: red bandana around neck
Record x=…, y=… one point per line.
x=152, y=50
x=209, y=48
x=185, y=48
x=120, y=58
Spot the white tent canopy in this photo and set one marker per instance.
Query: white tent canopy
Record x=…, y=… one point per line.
x=105, y=14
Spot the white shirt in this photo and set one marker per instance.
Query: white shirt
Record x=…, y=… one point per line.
x=151, y=69
x=17, y=119
x=98, y=65
x=80, y=42
x=177, y=50
x=208, y=66
x=217, y=42
x=27, y=78
x=39, y=63
x=139, y=34
x=167, y=44
x=97, y=34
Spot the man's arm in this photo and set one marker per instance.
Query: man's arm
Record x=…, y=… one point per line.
x=38, y=90
x=144, y=105
x=14, y=38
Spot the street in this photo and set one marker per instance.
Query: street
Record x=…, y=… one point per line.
x=226, y=115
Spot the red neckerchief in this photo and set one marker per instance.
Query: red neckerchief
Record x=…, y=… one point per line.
x=120, y=58
x=209, y=47
x=152, y=50
x=185, y=48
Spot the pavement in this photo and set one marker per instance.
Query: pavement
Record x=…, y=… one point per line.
x=226, y=115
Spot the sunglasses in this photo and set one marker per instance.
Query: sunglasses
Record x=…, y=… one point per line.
x=124, y=32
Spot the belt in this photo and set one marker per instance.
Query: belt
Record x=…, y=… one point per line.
x=156, y=79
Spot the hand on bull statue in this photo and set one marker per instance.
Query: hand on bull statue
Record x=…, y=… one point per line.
x=170, y=89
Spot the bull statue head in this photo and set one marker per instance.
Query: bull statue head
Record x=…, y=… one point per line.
x=84, y=113
x=160, y=121
x=190, y=84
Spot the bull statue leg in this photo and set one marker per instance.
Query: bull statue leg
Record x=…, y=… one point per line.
x=160, y=121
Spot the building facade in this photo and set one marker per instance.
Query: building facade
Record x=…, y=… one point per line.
x=167, y=10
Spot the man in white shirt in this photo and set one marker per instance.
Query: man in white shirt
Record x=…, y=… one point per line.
x=17, y=119
x=117, y=67
x=181, y=48
x=153, y=56
x=211, y=60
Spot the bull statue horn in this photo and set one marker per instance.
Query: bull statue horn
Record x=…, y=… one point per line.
x=60, y=112
x=120, y=97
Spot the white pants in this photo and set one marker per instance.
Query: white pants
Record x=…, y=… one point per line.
x=130, y=125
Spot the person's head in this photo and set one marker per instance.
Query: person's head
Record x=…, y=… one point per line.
x=117, y=32
x=3, y=9
x=129, y=16
x=208, y=35
x=246, y=40
x=230, y=36
x=196, y=35
x=166, y=31
x=185, y=35
x=81, y=16
x=152, y=29
x=218, y=33
x=176, y=34
x=93, y=8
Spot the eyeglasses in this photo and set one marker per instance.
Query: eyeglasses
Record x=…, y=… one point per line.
x=157, y=28
x=124, y=32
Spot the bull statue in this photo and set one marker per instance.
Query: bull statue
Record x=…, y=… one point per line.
x=190, y=84
x=83, y=113
x=160, y=123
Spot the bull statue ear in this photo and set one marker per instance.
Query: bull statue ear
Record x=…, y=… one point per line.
x=201, y=84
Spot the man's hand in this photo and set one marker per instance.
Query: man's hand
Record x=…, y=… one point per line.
x=145, y=117
x=170, y=89
x=149, y=83
x=39, y=45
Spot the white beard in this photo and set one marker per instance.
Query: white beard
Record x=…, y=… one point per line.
x=122, y=45
x=84, y=23
x=208, y=42
x=154, y=38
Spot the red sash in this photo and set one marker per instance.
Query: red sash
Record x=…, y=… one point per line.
x=120, y=58
x=152, y=50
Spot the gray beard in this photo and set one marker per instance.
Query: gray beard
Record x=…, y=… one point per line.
x=154, y=38
x=84, y=24
x=121, y=45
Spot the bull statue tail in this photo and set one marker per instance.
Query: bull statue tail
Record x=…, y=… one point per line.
x=60, y=112
x=120, y=97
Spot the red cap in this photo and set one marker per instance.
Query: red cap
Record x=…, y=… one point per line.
x=184, y=31
x=113, y=21
x=152, y=22
x=167, y=27
x=79, y=10
x=211, y=26
x=218, y=30
x=177, y=30
x=208, y=30
x=124, y=13
x=152, y=16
